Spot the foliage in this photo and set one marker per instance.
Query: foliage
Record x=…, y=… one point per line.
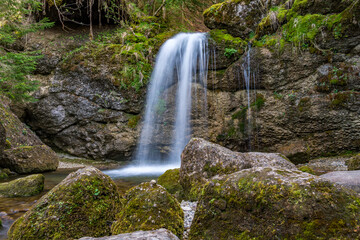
x=229, y=52
x=14, y=65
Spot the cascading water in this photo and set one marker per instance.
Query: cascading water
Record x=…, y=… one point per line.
x=181, y=61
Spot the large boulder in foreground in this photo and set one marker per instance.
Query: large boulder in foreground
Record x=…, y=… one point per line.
x=83, y=204
x=30, y=159
x=24, y=151
x=273, y=203
x=201, y=160
x=23, y=187
x=160, y=234
x=149, y=206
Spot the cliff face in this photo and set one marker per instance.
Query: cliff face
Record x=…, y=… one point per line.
x=304, y=94
x=305, y=98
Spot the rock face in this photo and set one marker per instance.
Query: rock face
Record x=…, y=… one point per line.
x=24, y=151
x=81, y=205
x=30, y=159
x=349, y=179
x=23, y=187
x=86, y=116
x=2, y=138
x=160, y=234
x=240, y=18
x=274, y=203
x=149, y=206
x=202, y=160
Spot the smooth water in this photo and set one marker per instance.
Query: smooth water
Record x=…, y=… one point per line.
x=181, y=61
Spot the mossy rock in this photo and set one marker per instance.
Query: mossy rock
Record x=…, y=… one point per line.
x=2, y=138
x=272, y=203
x=170, y=180
x=353, y=163
x=83, y=204
x=202, y=160
x=149, y=206
x=306, y=169
x=30, y=159
x=23, y=187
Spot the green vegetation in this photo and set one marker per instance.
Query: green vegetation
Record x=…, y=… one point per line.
x=232, y=44
x=306, y=169
x=170, y=180
x=15, y=66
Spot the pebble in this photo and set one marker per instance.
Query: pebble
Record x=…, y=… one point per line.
x=189, y=209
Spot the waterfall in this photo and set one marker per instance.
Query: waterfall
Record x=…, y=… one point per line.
x=181, y=61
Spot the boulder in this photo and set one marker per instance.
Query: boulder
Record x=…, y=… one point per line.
x=202, y=160
x=30, y=159
x=349, y=179
x=149, y=206
x=170, y=180
x=274, y=203
x=24, y=151
x=160, y=234
x=353, y=163
x=83, y=204
x=240, y=18
x=23, y=187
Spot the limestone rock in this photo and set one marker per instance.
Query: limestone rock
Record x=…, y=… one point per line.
x=273, y=203
x=83, y=204
x=149, y=206
x=160, y=234
x=23, y=187
x=353, y=163
x=202, y=160
x=30, y=159
x=349, y=179
x=240, y=18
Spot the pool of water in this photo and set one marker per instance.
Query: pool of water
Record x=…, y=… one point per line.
x=12, y=208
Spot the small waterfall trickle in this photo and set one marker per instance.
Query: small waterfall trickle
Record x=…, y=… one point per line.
x=181, y=61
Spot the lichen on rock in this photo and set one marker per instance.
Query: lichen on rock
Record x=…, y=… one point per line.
x=274, y=203
x=149, y=206
x=83, y=204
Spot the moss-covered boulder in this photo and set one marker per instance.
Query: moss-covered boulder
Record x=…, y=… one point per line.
x=170, y=180
x=149, y=206
x=272, y=203
x=30, y=159
x=23, y=187
x=83, y=204
x=239, y=17
x=202, y=160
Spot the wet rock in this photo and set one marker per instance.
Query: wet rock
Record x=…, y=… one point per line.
x=273, y=203
x=30, y=159
x=202, y=160
x=149, y=207
x=83, y=204
x=2, y=138
x=23, y=187
x=160, y=234
x=349, y=179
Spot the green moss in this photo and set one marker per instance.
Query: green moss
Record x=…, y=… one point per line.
x=149, y=207
x=353, y=163
x=133, y=121
x=306, y=169
x=266, y=206
x=81, y=205
x=22, y=187
x=222, y=38
x=170, y=180
x=339, y=99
